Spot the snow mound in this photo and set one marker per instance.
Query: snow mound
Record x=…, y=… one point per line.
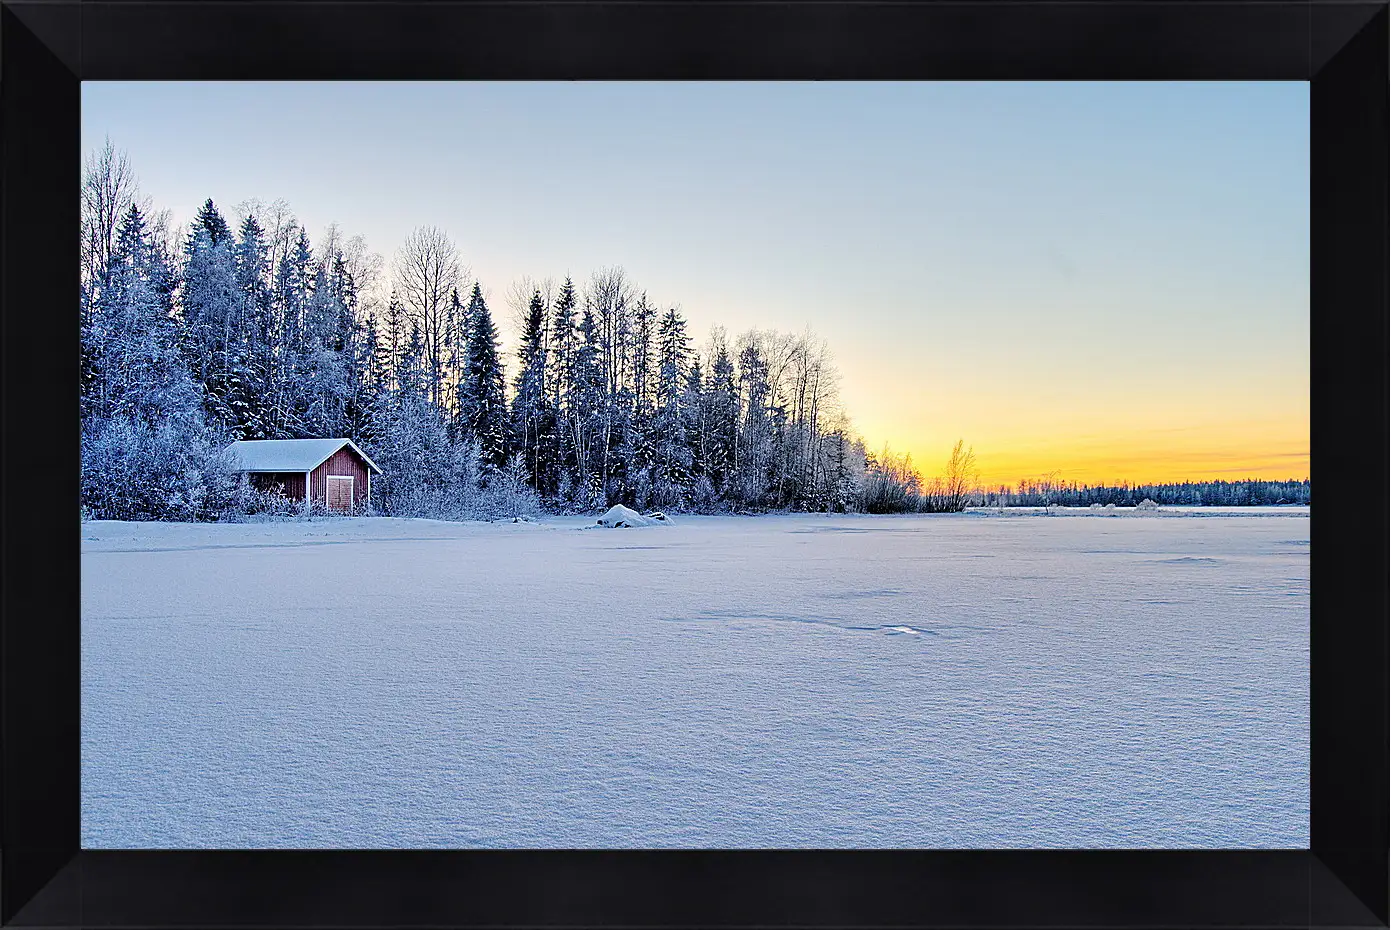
x=618, y=515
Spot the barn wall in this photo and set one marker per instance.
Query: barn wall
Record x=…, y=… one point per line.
x=292, y=481
x=343, y=462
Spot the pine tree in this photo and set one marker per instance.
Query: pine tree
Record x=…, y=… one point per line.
x=147, y=453
x=697, y=418
x=255, y=346
x=754, y=445
x=481, y=396
x=641, y=442
x=211, y=221
x=329, y=377
x=234, y=336
x=456, y=336
x=723, y=411
x=394, y=339
x=212, y=307
x=425, y=472
x=563, y=342
x=142, y=374
x=294, y=280
x=372, y=384
x=583, y=404
x=671, y=473
x=532, y=415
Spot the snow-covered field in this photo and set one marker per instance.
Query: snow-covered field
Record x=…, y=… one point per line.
x=1078, y=679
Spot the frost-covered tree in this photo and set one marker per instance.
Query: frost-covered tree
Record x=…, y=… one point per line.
x=249, y=331
x=482, y=394
x=395, y=335
x=722, y=411
x=533, y=418
x=214, y=327
x=564, y=340
x=696, y=417
x=290, y=297
x=672, y=465
x=427, y=272
x=753, y=450
x=584, y=404
x=255, y=347
x=329, y=376
x=456, y=323
x=109, y=190
x=609, y=300
x=140, y=371
x=960, y=478
x=891, y=484
x=147, y=451
x=372, y=380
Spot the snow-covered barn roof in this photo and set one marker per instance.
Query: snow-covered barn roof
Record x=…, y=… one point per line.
x=290, y=454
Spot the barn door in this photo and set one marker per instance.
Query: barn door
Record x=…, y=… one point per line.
x=340, y=493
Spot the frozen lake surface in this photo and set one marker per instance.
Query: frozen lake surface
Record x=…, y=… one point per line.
x=948, y=681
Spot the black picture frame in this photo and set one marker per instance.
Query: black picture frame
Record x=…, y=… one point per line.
x=48, y=46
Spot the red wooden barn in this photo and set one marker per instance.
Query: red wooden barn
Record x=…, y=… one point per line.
x=337, y=473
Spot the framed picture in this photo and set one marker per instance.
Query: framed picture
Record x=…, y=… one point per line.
x=568, y=464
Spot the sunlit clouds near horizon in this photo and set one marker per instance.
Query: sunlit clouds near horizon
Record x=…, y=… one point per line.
x=1103, y=282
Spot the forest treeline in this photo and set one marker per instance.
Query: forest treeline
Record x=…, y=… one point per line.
x=242, y=327
x=245, y=328
x=1245, y=493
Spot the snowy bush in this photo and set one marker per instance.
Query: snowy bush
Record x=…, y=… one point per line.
x=703, y=497
x=507, y=494
x=666, y=494
x=251, y=501
x=1146, y=505
x=578, y=496
x=132, y=470
x=425, y=474
x=891, y=485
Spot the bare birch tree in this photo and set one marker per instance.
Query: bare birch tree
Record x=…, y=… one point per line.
x=427, y=272
x=960, y=477
x=109, y=189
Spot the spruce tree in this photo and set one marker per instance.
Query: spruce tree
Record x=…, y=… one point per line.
x=696, y=418
x=210, y=220
x=294, y=287
x=147, y=453
x=563, y=342
x=395, y=336
x=532, y=416
x=456, y=334
x=723, y=409
x=481, y=398
x=584, y=401
x=671, y=473
x=211, y=312
x=255, y=345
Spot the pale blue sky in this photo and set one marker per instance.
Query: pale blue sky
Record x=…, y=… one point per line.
x=1041, y=268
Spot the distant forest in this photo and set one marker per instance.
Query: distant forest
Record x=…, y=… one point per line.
x=1246, y=493
x=244, y=328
